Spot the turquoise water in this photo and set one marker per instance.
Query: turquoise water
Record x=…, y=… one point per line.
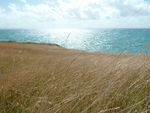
x=101, y=40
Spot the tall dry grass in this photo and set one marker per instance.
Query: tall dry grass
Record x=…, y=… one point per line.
x=49, y=79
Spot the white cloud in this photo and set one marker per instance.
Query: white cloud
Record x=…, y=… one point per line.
x=24, y=1
x=51, y=12
x=1, y=10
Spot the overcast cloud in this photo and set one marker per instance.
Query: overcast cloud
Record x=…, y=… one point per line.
x=75, y=13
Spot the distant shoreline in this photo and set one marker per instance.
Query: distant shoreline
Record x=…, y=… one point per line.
x=51, y=44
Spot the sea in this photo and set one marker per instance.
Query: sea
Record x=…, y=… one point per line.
x=92, y=40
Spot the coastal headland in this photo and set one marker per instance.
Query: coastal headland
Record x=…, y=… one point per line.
x=47, y=78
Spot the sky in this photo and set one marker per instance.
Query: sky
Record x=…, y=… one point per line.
x=39, y=14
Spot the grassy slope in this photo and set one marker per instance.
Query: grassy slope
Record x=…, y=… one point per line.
x=38, y=78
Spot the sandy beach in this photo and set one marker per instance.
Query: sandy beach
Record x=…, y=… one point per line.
x=47, y=78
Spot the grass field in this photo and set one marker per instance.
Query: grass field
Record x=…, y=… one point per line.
x=38, y=78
